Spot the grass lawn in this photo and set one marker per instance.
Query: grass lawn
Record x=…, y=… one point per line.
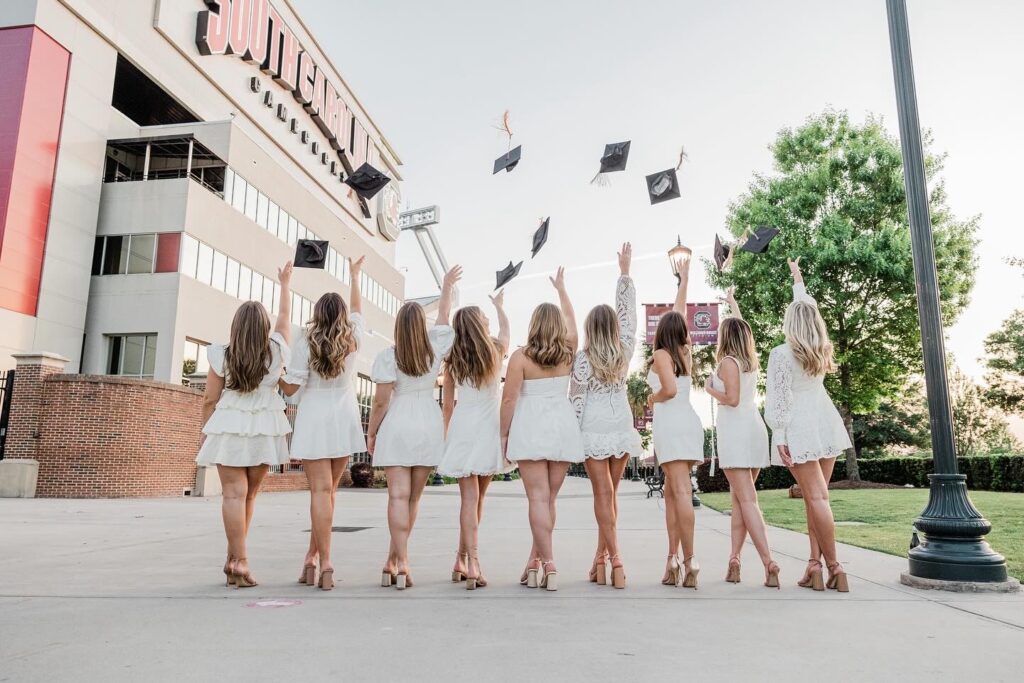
x=889, y=514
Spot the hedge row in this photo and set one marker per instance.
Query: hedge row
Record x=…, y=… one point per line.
x=984, y=473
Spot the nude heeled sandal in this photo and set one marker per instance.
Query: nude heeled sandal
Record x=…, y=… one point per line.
x=618, y=573
x=692, y=569
x=837, y=578
x=458, y=576
x=672, y=572
x=733, y=573
x=771, y=577
x=550, y=579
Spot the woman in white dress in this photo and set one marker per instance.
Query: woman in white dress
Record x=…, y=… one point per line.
x=406, y=431
x=472, y=451
x=244, y=423
x=539, y=429
x=807, y=431
x=598, y=393
x=327, y=425
x=742, y=437
x=678, y=434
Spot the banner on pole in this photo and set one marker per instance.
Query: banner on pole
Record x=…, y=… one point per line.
x=701, y=321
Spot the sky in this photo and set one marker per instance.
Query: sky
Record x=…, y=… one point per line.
x=721, y=78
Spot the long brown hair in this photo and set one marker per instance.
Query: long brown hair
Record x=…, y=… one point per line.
x=603, y=345
x=673, y=337
x=331, y=336
x=247, y=355
x=548, y=342
x=413, y=352
x=475, y=357
x=736, y=339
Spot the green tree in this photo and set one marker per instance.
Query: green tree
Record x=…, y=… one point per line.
x=1005, y=363
x=838, y=197
x=900, y=423
x=977, y=428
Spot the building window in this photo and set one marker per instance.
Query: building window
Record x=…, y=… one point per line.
x=131, y=355
x=124, y=254
x=194, y=361
x=189, y=255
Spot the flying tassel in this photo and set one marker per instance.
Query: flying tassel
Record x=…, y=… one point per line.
x=683, y=156
x=601, y=180
x=506, y=125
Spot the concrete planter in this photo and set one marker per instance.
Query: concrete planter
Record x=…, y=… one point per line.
x=18, y=478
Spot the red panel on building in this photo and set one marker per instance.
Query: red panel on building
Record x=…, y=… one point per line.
x=168, y=246
x=32, y=85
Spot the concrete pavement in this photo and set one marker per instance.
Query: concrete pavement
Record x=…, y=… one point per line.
x=130, y=590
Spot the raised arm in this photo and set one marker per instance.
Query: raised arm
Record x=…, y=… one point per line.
x=730, y=300
x=355, y=269
x=567, y=310
x=504, y=329
x=444, y=307
x=514, y=377
x=625, y=301
x=684, y=284
x=799, y=289
x=283, y=326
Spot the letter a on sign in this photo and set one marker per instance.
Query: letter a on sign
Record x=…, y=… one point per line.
x=212, y=28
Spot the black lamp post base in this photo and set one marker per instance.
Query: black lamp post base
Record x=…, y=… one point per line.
x=953, y=547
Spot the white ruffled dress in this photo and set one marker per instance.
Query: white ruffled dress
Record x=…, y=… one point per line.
x=473, y=445
x=605, y=418
x=412, y=432
x=327, y=421
x=798, y=407
x=248, y=429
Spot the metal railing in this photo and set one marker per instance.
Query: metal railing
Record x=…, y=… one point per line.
x=162, y=174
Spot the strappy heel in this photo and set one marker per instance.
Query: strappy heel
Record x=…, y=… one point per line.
x=805, y=581
x=816, y=582
x=229, y=575
x=771, y=576
x=243, y=580
x=550, y=579
x=326, y=582
x=732, y=575
x=692, y=569
x=308, y=575
x=618, y=573
x=458, y=576
x=533, y=574
x=672, y=572
x=837, y=578
x=388, y=578
x=474, y=582
x=598, y=572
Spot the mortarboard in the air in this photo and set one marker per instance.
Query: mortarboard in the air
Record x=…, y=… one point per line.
x=505, y=275
x=541, y=236
x=613, y=159
x=311, y=254
x=508, y=160
x=367, y=181
x=663, y=186
x=758, y=242
x=723, y=255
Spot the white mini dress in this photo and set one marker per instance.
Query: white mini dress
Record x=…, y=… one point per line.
x=606, y=420
x=741, y=435
x=412, y=432
x=798, y=407
x=544, y=426
x=473, y=446
x=248, y=429
x=327, y=421
x=677, y=431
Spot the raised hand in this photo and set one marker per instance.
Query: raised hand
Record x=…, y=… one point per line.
x=794, y=269
x=355, y=266
x=558, y=281
x=284, y=274
x=730, y=297
x=452, y=277
x=625, y=258
x=498, y=300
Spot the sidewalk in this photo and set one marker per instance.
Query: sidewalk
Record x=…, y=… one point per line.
x=128, y=590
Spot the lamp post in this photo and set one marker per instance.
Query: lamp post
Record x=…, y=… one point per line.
x=676, y=256
x=953, y=548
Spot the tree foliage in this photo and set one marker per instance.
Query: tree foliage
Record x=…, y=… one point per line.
x=1005, y=363
x=977, y=428
x=838, y=197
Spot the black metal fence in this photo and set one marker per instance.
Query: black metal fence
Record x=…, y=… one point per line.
x=6, y=390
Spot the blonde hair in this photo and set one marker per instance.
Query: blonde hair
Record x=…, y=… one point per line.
x=475, y=357
x=331, y=336
x=736, y=340
x=413, y=352
x=603, y=345
x=247, y=355
x=808, y=338
x=548, y=342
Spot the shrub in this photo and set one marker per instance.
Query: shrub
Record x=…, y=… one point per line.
x=362, y=475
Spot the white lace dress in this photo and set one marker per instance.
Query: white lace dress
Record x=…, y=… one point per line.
x=606, y=420
x=544, y=426
x=412, y=432
x=799, y=409
x=248, y=429
x=742, y=436
x=473, y=446
x=327, y=421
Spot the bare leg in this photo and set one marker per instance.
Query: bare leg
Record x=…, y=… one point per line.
x=255, y=476
x=418, y=480
x=599, y=473
x=538, y=492
x=469, y=522
x=678, y=472
x=810, y=477
x=399, y=490
x=737, y=530
x=827, y=465
x=482, y=482
x=321, y=512
x=235, y=484
x=741, y=485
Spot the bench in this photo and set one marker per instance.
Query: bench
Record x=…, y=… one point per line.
x=655, y=484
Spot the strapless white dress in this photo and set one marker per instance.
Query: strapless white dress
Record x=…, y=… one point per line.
x=677, y=430
x=473, y=446
x=741, y=433
x=544, y=426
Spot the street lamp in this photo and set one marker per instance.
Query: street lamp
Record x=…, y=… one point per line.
x=678, y=254
x=953, y=548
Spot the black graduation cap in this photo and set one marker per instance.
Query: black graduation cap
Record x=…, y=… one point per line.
x=367, y=181
x=541, y=236
x=311, y=254
x=505, y=275
x=663, y=186
x=723, y=254
x=758, y=242
x=613, y=159
x=508, y=161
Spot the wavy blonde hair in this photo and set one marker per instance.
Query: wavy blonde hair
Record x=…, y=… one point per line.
x=475, y=358
x=603, y=345
x=808, y=338
x=247, y=355
x=331, y=336
x=548, y=342
x=736, y=339
x=413, y=352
